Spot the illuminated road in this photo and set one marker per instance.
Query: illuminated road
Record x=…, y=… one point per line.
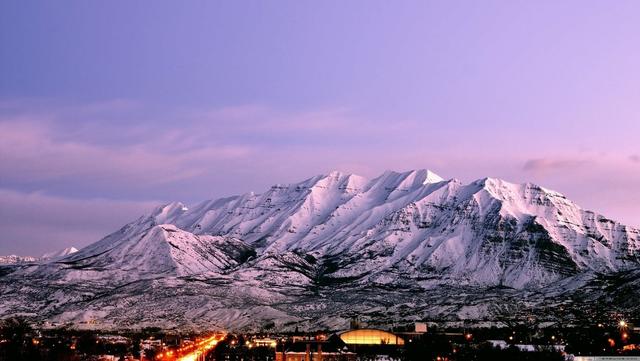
x=195, y=352
x=201, y=349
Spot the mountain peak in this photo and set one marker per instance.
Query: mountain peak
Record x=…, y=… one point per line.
x=59, y=254
x=497, y=185
x=165, y=213
x=422, y=176
x=429, y=176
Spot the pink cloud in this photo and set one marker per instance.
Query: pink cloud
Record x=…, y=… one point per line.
x=547, y=164
x=31, y=149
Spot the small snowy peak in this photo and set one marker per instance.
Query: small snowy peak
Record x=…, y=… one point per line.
x=388, y=181
x=493, y=184
x=406, y=180
x=354, y=183
x=50, y=256
x=198, y=254
x=329, y=180
x=412, y=180
x=416, y=178
x=501, y=188
x=338, y=182
x=430, y=177
x=169, y=212
x=392, y=186
x=346, y=181
x=526, y=199
x=59, y=254
x=162, y=249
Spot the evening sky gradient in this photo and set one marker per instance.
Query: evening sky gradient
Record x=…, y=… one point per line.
x=108, y=108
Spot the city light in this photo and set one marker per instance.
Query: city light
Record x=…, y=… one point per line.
x=201, y=349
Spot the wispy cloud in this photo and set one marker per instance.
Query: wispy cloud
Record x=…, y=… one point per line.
x=634, y=158
x=549, y=164
x=31, y=150
x=39, y=145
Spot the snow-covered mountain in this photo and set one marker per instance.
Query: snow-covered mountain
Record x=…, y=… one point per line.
x=58, y=254
x=49, y=256
x=400, y=247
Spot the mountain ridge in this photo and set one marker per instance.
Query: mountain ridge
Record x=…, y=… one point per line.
x=299, y=252
x=49, y=256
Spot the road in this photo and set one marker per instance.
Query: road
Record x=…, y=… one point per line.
x=195, y=352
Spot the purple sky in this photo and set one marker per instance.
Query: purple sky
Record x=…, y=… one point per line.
x=108, y=108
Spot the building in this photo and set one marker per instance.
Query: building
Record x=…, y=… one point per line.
x=310, y=350
x=264, y=342
x=420, y=327
x=368, y=336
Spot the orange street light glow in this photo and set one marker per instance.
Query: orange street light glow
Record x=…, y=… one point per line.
x=201, y=348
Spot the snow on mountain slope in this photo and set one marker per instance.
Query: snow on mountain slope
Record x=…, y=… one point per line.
x=407, y=244
x=13, y=259
x=489, y=231
x=146, y=249
x=59, y=254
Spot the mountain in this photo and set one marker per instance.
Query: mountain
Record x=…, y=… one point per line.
x=58, y=254
x=398, y=248
x=13, y=259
